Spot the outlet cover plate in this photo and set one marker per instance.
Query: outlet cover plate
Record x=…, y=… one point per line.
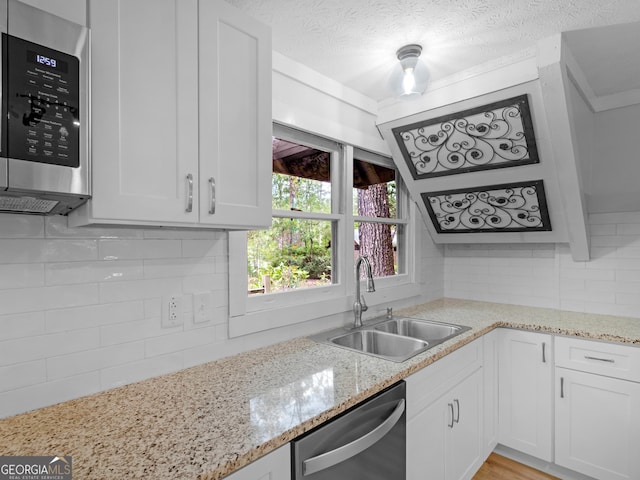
x=172, y=311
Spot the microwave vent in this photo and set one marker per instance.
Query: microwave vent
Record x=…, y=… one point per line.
x=26, y=204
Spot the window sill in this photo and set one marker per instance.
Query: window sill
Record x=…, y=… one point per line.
x=259, y=321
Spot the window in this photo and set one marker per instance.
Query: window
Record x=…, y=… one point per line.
x=375, y=211
x=331, y=204
x=297, y=252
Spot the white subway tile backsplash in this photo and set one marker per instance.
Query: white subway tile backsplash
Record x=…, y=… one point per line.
x=22, y=374
x=129, y=290
x=21, y=325
x=26, y=349
x=44, y=298
x=21, y=226
x=69, y=273
x=178, y=342
x=203, y=248
x=67, y=319
x=139, y=249
x=200, y=283
x=119, y=375
x=62, y=366
x=133, y=331
x=179, y=267
x=22, y=275
x=48, y=393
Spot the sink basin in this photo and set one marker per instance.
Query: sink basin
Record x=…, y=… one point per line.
x=396, y=339
x=427, y=330
x=381, y=344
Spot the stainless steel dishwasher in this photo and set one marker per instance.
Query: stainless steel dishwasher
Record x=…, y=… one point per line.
x=368, y=442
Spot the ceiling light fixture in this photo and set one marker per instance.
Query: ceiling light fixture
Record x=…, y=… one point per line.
x=411, y=79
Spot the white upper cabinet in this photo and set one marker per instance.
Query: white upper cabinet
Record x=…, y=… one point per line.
x=181, y=115
x=235, y=117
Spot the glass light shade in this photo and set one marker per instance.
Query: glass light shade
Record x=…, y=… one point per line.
x=410, y=78
x=410, y=82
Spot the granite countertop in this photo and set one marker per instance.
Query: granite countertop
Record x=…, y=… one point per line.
x=207, y=421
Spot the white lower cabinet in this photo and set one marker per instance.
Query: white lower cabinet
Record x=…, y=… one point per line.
x=525, y=384
x=490, y=365
x=444, y=417
x=273, y=466
x=597, y=416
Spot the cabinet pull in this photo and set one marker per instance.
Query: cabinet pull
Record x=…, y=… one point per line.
x=189, y=208
x=212, y=193
x=544, y=355
x=561, y=387
x=608, y=360
x=455, y=400
x=452, y=420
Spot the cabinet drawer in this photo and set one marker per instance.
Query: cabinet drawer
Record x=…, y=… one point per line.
x=425, y=386
x=612, y=360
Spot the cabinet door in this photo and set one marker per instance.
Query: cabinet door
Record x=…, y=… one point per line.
x=235, y=117
x=273, y=466
x=525, y=383
x=444, y=439
x=597, y=425
x=427, y=434
x=464, y=446
x=144, y=110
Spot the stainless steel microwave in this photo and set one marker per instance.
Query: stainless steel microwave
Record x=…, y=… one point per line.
x=44, y=141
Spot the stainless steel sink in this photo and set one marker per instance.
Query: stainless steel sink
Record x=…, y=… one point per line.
x=427, y=330
x=381, y=344
x=396, y=339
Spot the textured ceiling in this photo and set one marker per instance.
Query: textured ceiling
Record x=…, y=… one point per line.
x=354, y=41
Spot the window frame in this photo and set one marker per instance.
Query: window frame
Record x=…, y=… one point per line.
x=250, y=314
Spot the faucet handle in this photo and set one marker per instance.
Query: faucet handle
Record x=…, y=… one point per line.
x=363, y=304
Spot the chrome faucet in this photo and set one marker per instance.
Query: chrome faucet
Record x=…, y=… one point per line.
x=359, y=305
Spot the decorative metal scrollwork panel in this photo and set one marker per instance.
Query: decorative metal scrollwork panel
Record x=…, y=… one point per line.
x=519, y=207
x=483, y=138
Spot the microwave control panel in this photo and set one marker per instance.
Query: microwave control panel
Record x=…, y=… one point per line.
x=42, y=101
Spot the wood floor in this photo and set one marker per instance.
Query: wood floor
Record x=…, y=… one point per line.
x=498, y=467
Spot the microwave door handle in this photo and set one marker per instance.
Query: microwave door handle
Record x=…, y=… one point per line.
x=333, y=457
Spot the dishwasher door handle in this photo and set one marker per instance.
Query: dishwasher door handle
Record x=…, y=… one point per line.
x=333, y=457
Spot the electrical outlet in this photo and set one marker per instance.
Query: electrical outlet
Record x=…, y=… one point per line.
x=202, y=307
x=172, y=313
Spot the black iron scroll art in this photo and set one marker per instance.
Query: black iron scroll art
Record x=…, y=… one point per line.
x=519, y=207
x=492, y=136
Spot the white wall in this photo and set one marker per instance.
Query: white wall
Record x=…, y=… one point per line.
x=80, y=308
x=546, y=275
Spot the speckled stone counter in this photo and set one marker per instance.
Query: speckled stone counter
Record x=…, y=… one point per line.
x=206, y=422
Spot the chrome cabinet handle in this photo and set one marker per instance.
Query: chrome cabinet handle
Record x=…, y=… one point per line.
x=561, y=387
x=333, y=457
x=212, y=192
x=455, y=400
x=189, y=208
x=452, y=417
x=544, y=354
x=608, y=360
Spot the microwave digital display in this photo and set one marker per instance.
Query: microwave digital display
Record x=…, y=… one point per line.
x=47, y=61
